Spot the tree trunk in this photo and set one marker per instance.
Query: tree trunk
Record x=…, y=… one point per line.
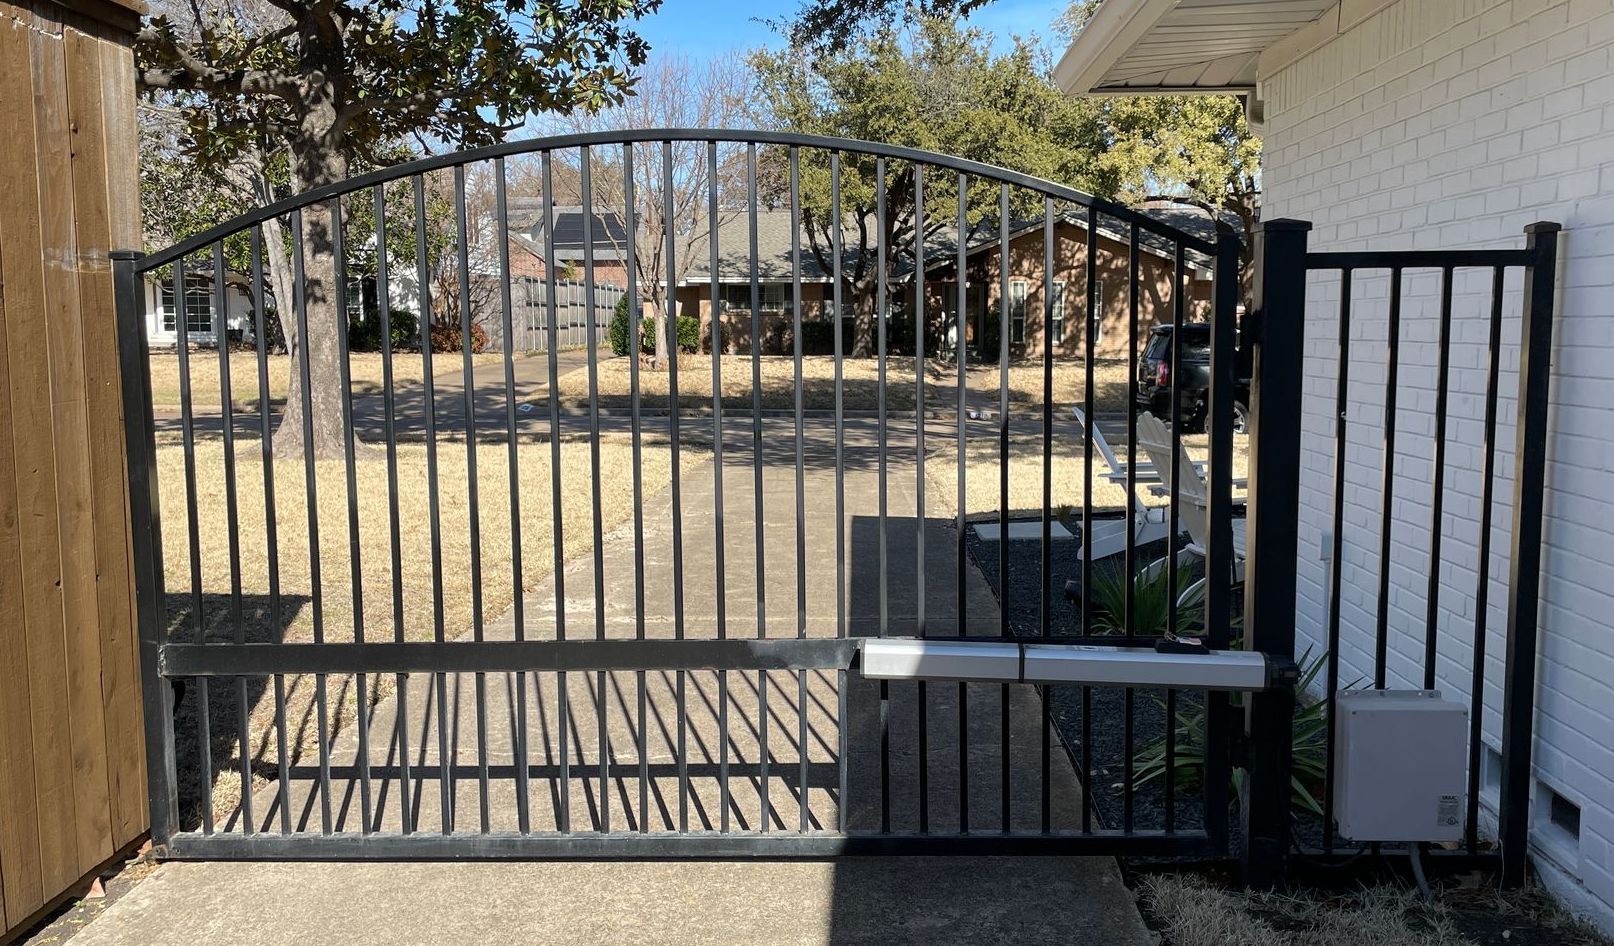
x=279, y=262
x=313, y=166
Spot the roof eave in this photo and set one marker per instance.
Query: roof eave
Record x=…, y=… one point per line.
x=1115, y=28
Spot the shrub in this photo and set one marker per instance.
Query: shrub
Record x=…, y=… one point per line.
x=446, y=337
x=1151, y=602
x=689, y=333
x=618, y=331
x=365, y=334
x=1308, y=743
x=818, y=337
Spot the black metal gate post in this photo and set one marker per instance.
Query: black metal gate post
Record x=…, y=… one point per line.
x=1275, y=332
x=140, y=449
x=1524, y=584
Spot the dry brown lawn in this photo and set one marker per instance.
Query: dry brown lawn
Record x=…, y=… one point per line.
x=339, y=623
x=860, y=383
x=364, y=367
x=981, y=482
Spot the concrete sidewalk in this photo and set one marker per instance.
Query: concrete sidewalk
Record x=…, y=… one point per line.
x=573, y=725
x=887, y=901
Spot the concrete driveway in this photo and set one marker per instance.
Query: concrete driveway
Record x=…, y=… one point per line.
x=605, y=735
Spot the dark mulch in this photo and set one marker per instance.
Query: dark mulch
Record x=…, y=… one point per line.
x=1106, y=749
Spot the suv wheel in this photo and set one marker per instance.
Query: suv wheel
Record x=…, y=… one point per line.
x=1241, y=418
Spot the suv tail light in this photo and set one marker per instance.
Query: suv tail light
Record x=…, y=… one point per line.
x=1162, y=374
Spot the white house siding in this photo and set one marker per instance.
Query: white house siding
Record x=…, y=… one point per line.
x=1454, y=123
x=237, y=306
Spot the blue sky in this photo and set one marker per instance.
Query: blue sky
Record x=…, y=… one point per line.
x=704, y=28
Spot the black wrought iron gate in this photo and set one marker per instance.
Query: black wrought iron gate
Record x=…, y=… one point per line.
x=762, y=599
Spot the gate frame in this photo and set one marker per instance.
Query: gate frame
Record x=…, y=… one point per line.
x=162, y=659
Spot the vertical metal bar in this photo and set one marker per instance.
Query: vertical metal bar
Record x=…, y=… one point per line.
x=394, y=525
x=1046, y=614
x=961, y=348
x=919, y=410
x=1179, y=305
x=919, y=479
x=1524, y=585
x=801, y=482
x=270, y=525
x=1387, y=482
x=1438, y=496
x=756, y=478
x=883, y=310
x=232, y=527
x=596, y=505
x=356, y=574
x=1219, y=556
x=198, y=617
x=557, y=521
x=1274, y=509
x=429, y=412
x=468, y=395
x=717, y=478
x=517, y=590
x=667, y=218
x=1337, y=548
x=1482, y=581
x=635, y=320
x=1005, y=333
x=1128, y=709
x=1094, y=309
x=1174, y=418
x=311, y=498
x=146, y=537
x=836, y=248
x=882, y=316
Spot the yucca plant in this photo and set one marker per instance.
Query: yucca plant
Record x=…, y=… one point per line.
x=1151, y=602
x=1309, y=745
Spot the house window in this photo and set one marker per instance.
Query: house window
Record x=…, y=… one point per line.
x=1017, y=311
x=1095, y=311
x=771, y=296
x=198, y=305
x=355, y=300
x=1056, y=313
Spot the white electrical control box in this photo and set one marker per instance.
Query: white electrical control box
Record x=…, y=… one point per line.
x=1400, y=764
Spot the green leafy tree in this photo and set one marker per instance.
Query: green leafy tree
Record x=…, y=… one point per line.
x=333, y=81
x=935, y=87
x=1193, y=150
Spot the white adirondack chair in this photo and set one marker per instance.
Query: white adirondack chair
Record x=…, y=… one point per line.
x=1154, y=438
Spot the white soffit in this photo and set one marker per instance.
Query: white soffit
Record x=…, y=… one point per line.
x=1183, y=46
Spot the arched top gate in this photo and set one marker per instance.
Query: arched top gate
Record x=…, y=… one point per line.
x=554, y=498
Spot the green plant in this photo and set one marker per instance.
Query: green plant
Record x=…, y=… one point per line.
x=818, y=337
x=365, y=334
x=689, y=333
x=1151, y=601
x=1307, y=742
x=618, y=331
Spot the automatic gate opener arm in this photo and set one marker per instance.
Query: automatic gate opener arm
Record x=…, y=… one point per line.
x=916, y=659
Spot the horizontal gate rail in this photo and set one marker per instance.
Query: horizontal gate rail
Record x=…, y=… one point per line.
x=713, y=845
x=211, y=660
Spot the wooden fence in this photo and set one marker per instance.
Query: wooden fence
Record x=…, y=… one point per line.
x=72, y=761
x=529, y=317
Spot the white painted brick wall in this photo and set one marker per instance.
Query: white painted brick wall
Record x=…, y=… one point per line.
x=1442, y=124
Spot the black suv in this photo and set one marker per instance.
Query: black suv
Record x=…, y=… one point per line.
x=1156, y=377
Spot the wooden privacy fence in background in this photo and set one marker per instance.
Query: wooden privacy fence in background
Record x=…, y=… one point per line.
x=529, y=314
x=72, y=759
